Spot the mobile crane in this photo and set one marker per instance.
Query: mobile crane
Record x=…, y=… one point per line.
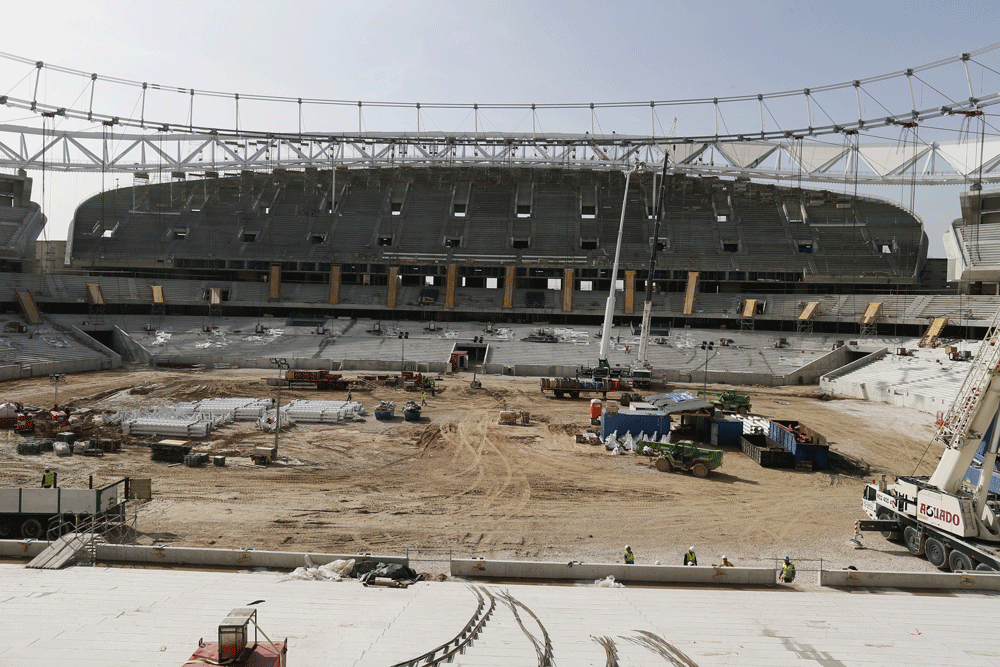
x=951, y=522
x=642, y=370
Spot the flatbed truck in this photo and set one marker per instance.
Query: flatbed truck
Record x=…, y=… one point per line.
x=32, y=512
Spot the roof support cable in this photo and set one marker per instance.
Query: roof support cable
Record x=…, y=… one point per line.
x=38, y=75
x=857, y=96
x=760, y=100
x=142, y=111
x=191, y=112
x=93, y=85
x=809, y=109
x=965, y=62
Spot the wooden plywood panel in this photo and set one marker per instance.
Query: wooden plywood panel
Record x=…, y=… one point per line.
x=392, y=290
x=871, y=312
x=630, y=292
x=274, y=289
x=29, y=307
x=567, y=290
x=214, y=296
x=749, y=308
x=94, y=294
x=156, y=293
x=689, y=293
x=450, y=283
x=933, y=331
x=508, y=287
x=334, y=297
x=809, y=311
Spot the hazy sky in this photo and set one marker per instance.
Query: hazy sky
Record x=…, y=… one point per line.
x=443, y=51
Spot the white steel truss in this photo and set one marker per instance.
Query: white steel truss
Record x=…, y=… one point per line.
x=973, y=159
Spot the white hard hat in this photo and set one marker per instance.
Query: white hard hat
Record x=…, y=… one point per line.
x=691, y=549
x=724, y=556
x=627, y=546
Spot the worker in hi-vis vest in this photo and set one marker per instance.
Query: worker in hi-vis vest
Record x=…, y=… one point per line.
x=788, y=571
x=690, y=558
x=48, y=479
x=629, y=556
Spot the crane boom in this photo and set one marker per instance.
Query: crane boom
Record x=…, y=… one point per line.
x=647, y=305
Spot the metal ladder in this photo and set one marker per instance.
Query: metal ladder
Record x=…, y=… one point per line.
x=966, y=403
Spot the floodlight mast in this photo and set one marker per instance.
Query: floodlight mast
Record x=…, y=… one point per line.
x=647, y=306
x=603, y=367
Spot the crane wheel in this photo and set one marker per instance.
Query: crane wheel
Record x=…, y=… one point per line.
x=743, y=410
x=699, y=469
x=6, y=528
x=912, y=538
x=31, y=529
x=891, y=535
x=959, y=562
x=985, y=567
x=937, y=553
x=663, y=464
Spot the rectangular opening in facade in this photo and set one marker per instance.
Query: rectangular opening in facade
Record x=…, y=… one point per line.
x=460, y=206
x=588, y=202
x=520, y=244
x=397, y=197
x=317, y=239
x=730, y=246
x=385, y=240
x=805, y=246
x=524, y=196
x=249, y=237
x=589, y=244
x=453, y=243
x=662, y=244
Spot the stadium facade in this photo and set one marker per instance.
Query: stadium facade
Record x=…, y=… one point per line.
x=480, y=243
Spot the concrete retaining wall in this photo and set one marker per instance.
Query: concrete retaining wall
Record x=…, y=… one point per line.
x=810, y=373
x=935, y=580
x=133, y=351
x=241, y=558
x=85, y=339
x=510, y=569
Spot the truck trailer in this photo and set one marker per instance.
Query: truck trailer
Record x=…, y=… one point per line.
x=32, y=513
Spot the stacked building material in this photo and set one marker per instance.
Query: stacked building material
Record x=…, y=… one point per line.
x=325, y=412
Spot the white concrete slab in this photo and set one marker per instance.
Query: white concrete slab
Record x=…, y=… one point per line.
x=127, y=617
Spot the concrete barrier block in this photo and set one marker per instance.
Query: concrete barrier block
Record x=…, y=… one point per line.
x=575, y=571
x=242, y=558
x=938, y=580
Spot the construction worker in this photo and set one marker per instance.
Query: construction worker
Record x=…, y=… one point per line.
x=690, y=558
x=725, y=562
x=48, y=479
x=423, y=398
x=629, y=556
x=348, y=395
x=787, y=571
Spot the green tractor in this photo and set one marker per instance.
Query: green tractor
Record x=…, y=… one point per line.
x=682, y=455
x=728, y=400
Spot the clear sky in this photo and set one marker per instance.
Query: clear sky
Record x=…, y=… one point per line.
x=484, y=51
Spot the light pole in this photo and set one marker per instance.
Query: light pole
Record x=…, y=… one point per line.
x=55, y=379
x=708, y=346
x=403, y=336
x=281, y=364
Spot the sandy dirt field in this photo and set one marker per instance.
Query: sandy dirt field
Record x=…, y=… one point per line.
x=460, y=483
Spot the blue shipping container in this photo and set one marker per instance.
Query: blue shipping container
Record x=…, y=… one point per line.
x=635, y=422
x=727, y=432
